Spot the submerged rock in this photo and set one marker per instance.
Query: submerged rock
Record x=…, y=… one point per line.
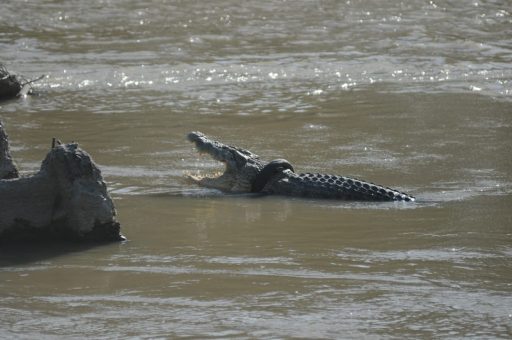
x=12, y=86
x=66, y=199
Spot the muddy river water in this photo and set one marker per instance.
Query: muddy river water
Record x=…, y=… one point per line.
x=415, y=95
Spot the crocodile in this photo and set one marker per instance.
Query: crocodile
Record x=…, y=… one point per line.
x=245, y=172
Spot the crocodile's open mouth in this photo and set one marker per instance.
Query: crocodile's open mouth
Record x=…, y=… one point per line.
x=223, y=180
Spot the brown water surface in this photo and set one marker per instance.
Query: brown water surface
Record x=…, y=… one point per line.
x=413, y=95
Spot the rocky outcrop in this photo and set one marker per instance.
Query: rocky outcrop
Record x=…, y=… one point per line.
x=12, y=85
x=7, y=167
x=66, y=199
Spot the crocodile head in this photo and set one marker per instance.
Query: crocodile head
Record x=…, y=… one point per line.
x=242, y=166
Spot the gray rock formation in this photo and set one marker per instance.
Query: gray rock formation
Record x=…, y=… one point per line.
x=7, y=167
x=66, y=199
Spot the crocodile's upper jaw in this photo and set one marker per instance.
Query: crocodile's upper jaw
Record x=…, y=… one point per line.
x=242, y=166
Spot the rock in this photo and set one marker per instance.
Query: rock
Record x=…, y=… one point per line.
x=66, y=199
x=7, y=167
x=12, y=86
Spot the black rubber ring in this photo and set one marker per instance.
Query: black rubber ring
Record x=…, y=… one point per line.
x=270, y=170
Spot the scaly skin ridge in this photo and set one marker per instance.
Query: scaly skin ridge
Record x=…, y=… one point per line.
x=331, y=186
